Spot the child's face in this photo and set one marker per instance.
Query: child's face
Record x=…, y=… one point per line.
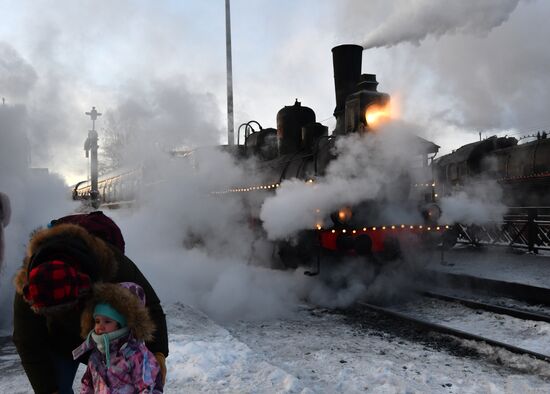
x=104, y=325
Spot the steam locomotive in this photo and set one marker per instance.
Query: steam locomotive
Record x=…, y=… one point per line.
x=301, y=148
x=522, y=170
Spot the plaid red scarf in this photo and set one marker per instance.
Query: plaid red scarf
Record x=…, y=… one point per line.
x=55, y=283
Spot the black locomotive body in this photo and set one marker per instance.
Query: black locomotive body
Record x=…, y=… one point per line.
x=301, y=148
x=522, y=170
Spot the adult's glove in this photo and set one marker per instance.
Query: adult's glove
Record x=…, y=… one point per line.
x=161, y=359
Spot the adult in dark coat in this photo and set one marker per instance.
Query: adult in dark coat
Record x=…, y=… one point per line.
x=61, y=265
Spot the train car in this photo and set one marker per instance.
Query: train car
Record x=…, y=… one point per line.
x=522, y=170
x=116, y=189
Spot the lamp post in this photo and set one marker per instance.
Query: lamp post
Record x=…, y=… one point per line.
x=91, y=145
x=230, y=123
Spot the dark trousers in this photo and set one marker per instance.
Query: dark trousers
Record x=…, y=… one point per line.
x=65, y=371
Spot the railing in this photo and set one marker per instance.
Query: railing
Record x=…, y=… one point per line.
x=522, y=227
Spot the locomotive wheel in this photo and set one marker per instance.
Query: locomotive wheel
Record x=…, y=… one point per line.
x=363, y=245
x=449, y=238
x=345, y=242
x=392, y=249
x=301, y=252
x=288, y=256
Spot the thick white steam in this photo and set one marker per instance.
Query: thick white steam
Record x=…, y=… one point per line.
x=197, y=247
x=414, y=21
x=477, y=202
x=367, y=167
x=36, y=197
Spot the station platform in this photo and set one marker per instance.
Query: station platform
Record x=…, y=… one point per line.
x=499, y=264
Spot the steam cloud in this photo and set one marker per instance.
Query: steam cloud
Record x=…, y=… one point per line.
x=465, y=81
x=477, y=203
x=367, y=167
x=17, y=77
x=36, y=198
x=211, y=257
x=414, y=21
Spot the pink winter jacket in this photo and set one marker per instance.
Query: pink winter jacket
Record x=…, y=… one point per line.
x=133, y=368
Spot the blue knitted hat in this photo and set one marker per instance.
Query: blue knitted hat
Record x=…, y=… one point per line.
x=107, y=310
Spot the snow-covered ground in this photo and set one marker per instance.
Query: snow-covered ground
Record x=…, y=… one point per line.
x=313, y=351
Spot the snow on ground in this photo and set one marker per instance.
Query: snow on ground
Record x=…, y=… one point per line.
x=313, y=351
x=328, y=355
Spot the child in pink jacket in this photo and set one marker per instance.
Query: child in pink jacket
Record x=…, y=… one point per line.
x=116, y=325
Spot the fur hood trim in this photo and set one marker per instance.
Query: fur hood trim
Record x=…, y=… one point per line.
x=127, y=304
x=107, y=264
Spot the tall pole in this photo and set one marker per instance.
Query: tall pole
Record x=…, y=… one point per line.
x=230, y=125
x=91, y=145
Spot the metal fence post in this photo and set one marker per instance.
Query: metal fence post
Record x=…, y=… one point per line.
x=532, y=230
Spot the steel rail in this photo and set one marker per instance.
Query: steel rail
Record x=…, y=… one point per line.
x=429, y=326
x=521, y=314
x=517, y=291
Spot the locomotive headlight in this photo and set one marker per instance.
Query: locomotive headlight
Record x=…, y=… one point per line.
x=376, y=114
x=342, y=216
x=432, y=212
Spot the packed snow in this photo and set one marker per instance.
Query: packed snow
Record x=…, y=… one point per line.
x=311, y=351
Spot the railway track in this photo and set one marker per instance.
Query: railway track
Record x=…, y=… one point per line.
x=503, y=310
x=431, y=323
x=518, y=291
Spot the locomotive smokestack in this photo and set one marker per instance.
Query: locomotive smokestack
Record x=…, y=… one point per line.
x=347, y=61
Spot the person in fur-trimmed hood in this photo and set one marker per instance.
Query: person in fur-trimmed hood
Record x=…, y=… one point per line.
x=61, y=266
x=115, y=324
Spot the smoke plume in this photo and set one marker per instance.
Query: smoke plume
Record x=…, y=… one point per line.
x=477, y=202
x=17, y=77
x=36, y=197
x=415, y=21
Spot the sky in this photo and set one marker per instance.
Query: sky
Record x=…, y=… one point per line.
x=157, y=71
